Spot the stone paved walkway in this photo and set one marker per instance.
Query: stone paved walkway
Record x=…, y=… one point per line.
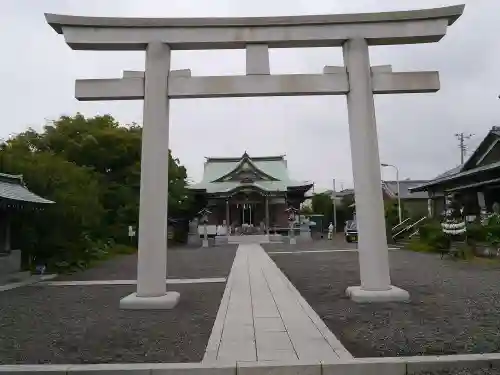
x=262, y=317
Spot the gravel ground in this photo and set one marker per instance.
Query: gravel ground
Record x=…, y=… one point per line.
x=73, y=325
x=462, y=372
x=182, y=263
x=338, y=243
x=454, y=308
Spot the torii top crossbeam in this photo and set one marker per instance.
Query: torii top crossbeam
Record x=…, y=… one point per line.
x=401, y=27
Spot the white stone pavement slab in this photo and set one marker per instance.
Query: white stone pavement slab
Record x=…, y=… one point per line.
x=129, y=282
x=33, y=280
x=371, y=366
x=321, y=251
x=262, y=317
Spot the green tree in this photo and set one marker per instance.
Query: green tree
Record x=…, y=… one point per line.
x=322, y=204
x=59, y=231
x=91, y=168
x=113, y=152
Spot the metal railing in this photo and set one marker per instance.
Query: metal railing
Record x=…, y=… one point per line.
x=406, y=229
x=414, y=233
x=398, y=225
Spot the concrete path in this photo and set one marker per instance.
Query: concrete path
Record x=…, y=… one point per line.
x=129, y=282
x=320, y=251
x=262, y=317
x=33, y=280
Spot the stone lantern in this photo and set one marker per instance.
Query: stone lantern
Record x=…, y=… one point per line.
x=203, y=214
x=292, y=213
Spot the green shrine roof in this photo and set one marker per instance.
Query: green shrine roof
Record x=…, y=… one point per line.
x=12, y=188
x=266, y=173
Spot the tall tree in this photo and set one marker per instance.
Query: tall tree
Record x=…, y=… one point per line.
x=98, y=149
x=323, y=204
x=113, y=152
x=61, y=230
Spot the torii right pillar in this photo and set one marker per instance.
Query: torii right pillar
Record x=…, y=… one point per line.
x=373, y=251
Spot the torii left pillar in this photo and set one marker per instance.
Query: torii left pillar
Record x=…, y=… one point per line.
x=152, y=253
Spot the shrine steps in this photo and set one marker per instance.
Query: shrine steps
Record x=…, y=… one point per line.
x=254, y=239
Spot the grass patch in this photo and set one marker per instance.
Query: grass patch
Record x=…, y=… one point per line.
x=122, y=249
x=96, y=254
x=421, y=247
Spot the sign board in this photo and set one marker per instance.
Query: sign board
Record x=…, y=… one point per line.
x=170, y=233
x=131, y=231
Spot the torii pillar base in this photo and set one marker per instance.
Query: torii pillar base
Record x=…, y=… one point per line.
x=166, y=302
x=393, y=294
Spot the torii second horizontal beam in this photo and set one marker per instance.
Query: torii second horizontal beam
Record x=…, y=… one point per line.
x=187, y=87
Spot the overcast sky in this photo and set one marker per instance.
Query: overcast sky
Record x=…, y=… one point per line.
x=416, y=131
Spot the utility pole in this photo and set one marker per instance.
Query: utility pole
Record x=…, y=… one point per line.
x=334, y=199
x=462, y=137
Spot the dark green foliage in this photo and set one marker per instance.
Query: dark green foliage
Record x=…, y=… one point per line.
x=420, y=246
x=489, y=233
x=91, y=168
x=432, y=235
x=323, y=204
x=392, y=212
x=493, y=228
x=476, y=233
x=306, y=210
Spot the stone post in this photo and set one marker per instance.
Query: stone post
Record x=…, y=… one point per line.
x=373, y=250
x=205, y=233
x=267, y=215
x=481, y=200
x=483, y=211
x=227, y=218
x=293, y=241
x=7, y=243
x=152, y=252
x=291, y=219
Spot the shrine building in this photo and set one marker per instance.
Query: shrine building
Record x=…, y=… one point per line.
x=246, y=190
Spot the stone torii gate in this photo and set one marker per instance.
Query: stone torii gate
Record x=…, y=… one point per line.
x=157, y=85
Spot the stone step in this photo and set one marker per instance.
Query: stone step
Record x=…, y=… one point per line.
x=254, y=239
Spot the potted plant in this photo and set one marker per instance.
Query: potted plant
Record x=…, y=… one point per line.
x=493, y=234
x=453, y=225
x=493, y=244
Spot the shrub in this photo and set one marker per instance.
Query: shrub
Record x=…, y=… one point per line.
x=466, y=251
x=420, y=246
x=432, y=235
x=476, y=233
x=122, y=249
x=429, y=229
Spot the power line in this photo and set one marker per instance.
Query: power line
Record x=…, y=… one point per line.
x=462, y=137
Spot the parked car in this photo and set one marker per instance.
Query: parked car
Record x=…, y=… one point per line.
x=351, y=231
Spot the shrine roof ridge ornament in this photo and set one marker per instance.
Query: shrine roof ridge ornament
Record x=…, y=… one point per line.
x=397, y=27
x=212, y=159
